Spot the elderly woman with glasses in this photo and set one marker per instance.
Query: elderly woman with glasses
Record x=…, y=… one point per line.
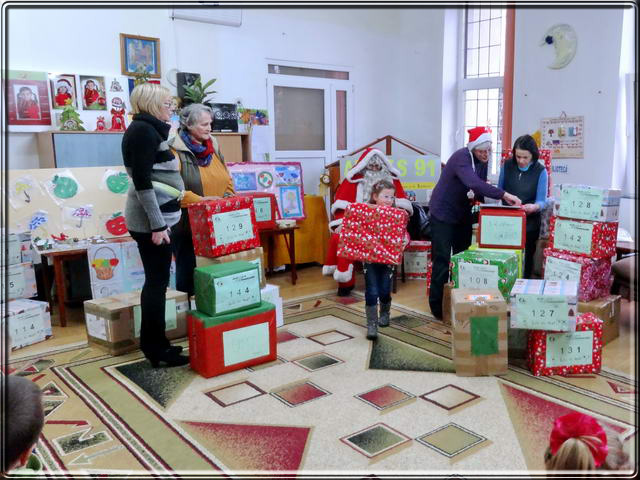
x=464, y=178
x=205, y=177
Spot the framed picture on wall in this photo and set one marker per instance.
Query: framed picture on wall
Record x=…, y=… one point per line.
x=139, y=54
x=63, y=90
x=93, y=91
x=28, y=101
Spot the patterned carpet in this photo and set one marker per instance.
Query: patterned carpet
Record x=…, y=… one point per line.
x=331, y=403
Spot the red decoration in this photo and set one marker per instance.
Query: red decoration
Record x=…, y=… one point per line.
x=502, y=212
x=595, y=274
x=537, y=349
x=206, y=348
x=117, y=225
x=603, y=239
x=373, y=234
x=274, y=213
x=100, y=125
x=202, y=231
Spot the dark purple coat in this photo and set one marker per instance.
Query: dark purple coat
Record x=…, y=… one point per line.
x=449, y=202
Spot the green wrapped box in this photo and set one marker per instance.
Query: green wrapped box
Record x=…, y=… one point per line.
x=485, y=269
x=518, y=252
x=227, y=287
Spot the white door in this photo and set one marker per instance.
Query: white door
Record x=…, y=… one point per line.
x=311, y=122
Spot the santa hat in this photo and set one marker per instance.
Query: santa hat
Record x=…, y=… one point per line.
x=63, y=82
x=575, y=425
x=477, y=136
x=363, y=161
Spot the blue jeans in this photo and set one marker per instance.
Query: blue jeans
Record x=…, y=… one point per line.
x=377, y=282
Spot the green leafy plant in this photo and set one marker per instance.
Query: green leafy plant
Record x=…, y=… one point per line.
x=197, y=92
x=142, y=75
x=70, y=119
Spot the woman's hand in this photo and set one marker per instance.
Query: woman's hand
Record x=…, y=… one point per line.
x=530, y=208
x=158, y=238
x=511, y=199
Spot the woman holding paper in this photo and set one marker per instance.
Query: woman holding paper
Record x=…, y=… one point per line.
x=523, y=176
x=205, y=177
x=151, y=211
x=462, y=180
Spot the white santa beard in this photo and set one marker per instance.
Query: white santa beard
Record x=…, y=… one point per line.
x=371, y=177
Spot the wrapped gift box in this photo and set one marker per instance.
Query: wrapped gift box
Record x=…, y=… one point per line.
x=587, y=203
x=271, y=293
x=28, y=322
x=485, y=269
x=10, y=243
x=502, y=227
x=224, y=226
x=429, y=273
x=593, y=275
x=223, y=343
x=416, y=258
x=373, y=234
x=254, y=256
x=479, y=323
x=113, y=323
x=265, y=207
x=518, y=252
x=584, y=238
x=226, y=287
x=21, y=280
x=518, y=336
x=568, y=290
x=564, y=353
x=606, y=309
x=545, y=218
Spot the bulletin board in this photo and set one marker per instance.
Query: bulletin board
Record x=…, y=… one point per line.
x=283, y=179
x=79, y=202
x=564, y=136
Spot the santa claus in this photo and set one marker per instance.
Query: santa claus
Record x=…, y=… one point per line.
x=372, y=166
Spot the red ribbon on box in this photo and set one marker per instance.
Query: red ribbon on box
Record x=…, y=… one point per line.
x=373, y=234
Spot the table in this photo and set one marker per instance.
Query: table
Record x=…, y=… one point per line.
x=58, y=257
x=270, y=234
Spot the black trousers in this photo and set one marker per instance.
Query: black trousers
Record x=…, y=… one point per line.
x=530, y=249
x=156, y=260
x=445, y=237
x=182, y=245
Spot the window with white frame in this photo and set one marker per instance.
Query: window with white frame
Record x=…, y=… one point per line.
x=482, y=74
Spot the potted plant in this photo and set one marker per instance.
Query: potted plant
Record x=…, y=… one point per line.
x=197, y=92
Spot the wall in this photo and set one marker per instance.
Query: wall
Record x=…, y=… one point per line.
x=395, y=57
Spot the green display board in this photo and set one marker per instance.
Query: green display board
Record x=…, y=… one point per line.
x=567, y=349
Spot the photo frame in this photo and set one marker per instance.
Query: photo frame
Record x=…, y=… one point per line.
x=136, y=52
x=28, y=101
x=93, y=92
x=63, y=91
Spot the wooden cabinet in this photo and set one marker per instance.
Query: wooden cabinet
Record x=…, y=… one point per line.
x=58, y=149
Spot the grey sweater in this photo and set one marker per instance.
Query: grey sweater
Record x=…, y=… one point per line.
x=147, y=159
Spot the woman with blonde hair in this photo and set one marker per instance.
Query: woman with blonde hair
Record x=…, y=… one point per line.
x=152, y=208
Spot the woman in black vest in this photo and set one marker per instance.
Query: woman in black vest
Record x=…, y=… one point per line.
x=526, y=178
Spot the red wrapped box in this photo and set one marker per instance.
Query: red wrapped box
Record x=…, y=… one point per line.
x=373, y=234
x=545, y=158
x=502, y=227
x=265, y=207
x=416, y=259
x=592, y=275
x=224, y=226
x=564, y=353
x=429, y=272
x=583, y=238
x=224, y=343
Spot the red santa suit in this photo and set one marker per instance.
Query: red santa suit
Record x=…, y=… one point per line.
x=90, y=96
x=352, y=190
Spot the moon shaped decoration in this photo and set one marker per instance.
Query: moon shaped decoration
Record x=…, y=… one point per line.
x=565, y=42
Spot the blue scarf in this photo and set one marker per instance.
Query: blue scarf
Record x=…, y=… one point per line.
x=203, y=153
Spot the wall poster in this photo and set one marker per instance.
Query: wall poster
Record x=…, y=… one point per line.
x=564, y=136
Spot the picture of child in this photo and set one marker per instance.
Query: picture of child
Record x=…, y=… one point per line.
x=63, y=91
x=93, y=95
x=63, y=94
x=27, y=102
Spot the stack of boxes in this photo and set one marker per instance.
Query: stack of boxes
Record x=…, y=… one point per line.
x=240, y=244
x=583, y=235
x=232, y=326
x=29, y=321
